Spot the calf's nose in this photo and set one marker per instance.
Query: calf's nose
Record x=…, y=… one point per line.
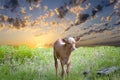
x=73, y=48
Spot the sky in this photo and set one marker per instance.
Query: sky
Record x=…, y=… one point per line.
x=32, y=35
x=39, y=23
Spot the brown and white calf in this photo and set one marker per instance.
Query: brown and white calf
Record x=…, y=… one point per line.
x=62, y=51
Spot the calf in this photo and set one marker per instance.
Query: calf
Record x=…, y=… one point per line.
x=62, y=51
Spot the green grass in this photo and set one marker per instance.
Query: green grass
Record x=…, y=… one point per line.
x=24, y=63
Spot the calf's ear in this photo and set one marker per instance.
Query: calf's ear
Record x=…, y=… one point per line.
x=77, y=38
x=65, y=40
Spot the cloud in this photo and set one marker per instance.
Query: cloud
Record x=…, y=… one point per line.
x=27, y=17
x=13, y=4
x=37, y=5
x=2, y=7
x=45, y=8
x=10, y=20
x=117, y=5
x=2, y=26
x=78, y=9
x=42, y=20
x=16, y=22
x=61, y=11
x=23, y=10
x=75, y=9
x=48, y=19
x=31, y=8
x=50, y=13
x=96, y=9
x=81, y=18
x=112, y=1
x=3, y=18
x=111, y=15
x=32, y=1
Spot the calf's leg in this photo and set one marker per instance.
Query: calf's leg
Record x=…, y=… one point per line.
x=56, y=65
x=68, y=68
x=63, y=70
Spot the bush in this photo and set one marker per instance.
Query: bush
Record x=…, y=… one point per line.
x=6, y=51
x=23, y=52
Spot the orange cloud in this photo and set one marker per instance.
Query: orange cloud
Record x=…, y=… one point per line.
x=2, y=26
x=23, y=10
x=3, y=18
x=45, y=8
x=78, y=9
x=117, y=5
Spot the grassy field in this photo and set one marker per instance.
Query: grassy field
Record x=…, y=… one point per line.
x=24, y=63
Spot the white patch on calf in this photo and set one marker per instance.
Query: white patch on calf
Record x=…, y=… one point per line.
x=71, y=40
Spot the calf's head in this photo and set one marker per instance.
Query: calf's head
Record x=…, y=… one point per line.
x=70, y=43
